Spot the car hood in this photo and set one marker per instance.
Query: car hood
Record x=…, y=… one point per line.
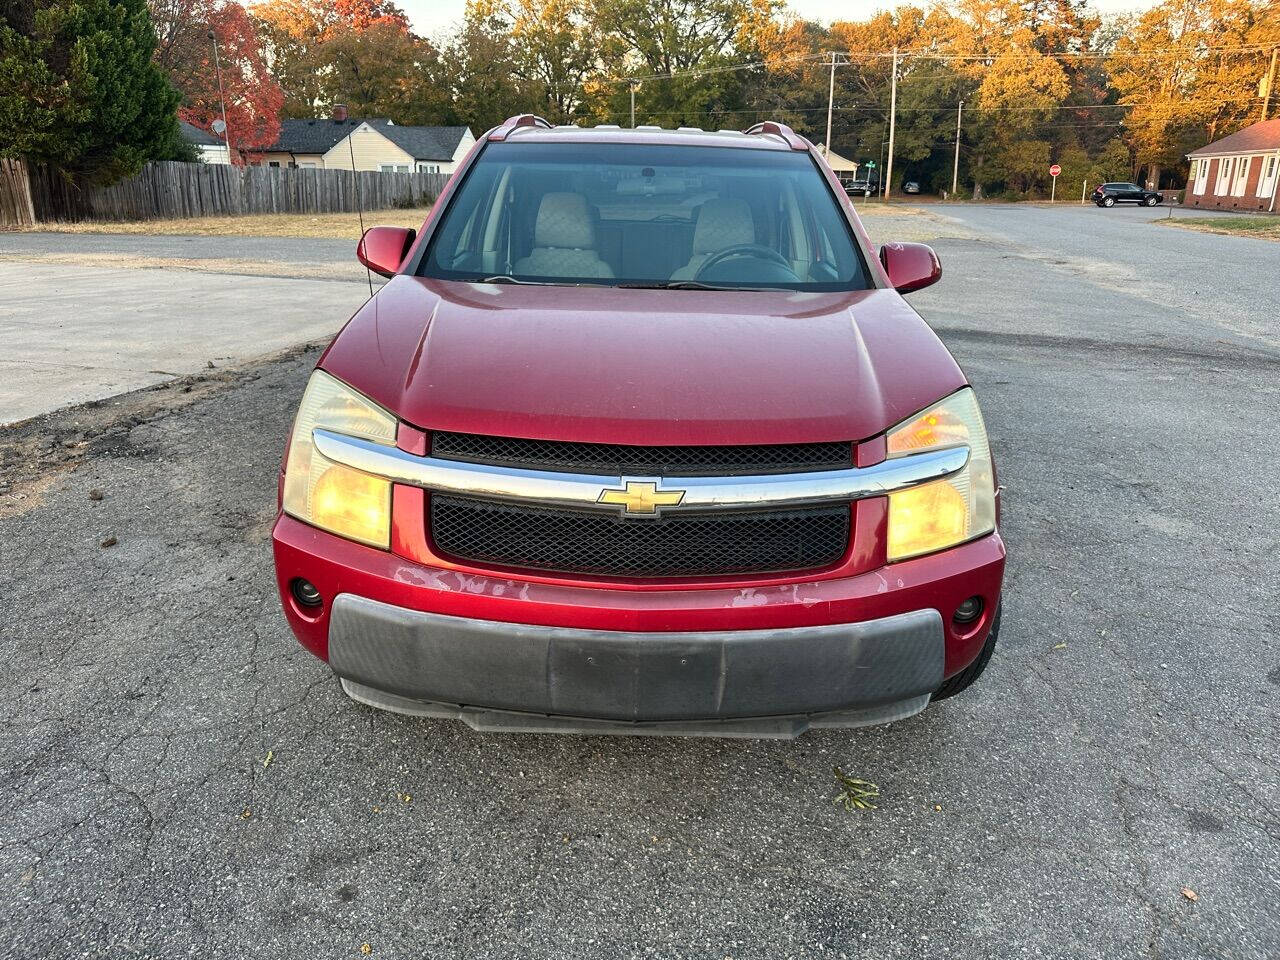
x=604, y=365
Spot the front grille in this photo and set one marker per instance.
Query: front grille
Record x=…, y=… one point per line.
x=602, y=544
x=619, y=459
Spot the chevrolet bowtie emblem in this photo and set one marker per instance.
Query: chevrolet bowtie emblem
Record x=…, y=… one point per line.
x=642, y=498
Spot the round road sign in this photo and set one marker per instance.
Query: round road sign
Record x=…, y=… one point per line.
x=1054, y=170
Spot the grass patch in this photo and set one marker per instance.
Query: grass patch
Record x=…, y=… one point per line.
x=1266, y=228
x=329, y=226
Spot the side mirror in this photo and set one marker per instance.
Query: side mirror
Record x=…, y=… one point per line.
x=383, y=249
x=910, y=266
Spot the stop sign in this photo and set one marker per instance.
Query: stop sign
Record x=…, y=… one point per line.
x=1055, y=170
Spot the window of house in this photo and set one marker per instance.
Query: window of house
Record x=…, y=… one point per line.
x=273, y=163
x=1242, y=176
x=1267, y=181
x=428, y=168
x=394, y=168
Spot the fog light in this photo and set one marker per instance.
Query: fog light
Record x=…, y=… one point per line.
x=968, y=611
x=306, y=593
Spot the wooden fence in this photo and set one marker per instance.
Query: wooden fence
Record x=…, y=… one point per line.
x=167, y=189
x=15, y=195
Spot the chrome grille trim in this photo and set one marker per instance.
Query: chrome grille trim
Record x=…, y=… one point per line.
x=583, y=490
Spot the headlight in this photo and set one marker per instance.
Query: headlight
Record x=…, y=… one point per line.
x=329, y=495
x=942, y=513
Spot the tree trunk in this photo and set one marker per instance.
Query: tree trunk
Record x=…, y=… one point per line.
x=1153, y=176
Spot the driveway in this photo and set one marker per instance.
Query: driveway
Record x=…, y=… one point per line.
x=180, y=778
x=73, y=330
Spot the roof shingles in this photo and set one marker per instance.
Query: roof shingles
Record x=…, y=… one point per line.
x=1257, y=138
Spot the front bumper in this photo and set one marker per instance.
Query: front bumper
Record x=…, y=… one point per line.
x=836, y=650
x=872, y=670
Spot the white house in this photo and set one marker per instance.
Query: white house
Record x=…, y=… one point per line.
x=376, y=144
x=211, y=149
x=841, y=166
x=1238, y=172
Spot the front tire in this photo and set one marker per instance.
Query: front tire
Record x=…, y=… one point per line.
x=1151, y=201
x=1108, y=201
x=966, y=677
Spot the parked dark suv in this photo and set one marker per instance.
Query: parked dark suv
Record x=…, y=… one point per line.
x=1109, y=194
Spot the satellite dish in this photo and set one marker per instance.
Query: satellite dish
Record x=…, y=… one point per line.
x=219, y=127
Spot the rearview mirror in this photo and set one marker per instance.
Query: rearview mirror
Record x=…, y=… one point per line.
x=383, y=249
x=910, y=266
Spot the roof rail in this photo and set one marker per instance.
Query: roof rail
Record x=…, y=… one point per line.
x=504, y=129
x=793, y=139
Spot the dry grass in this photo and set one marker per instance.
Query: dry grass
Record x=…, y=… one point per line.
x=331, y=226
x=335, y=226
x=1264, y=228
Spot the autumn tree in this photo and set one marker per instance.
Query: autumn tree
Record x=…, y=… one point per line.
x=1182, y=91
x=556, y=48
x=484, y=72
x=251, y=95
x=357, y=52
x=689, y=44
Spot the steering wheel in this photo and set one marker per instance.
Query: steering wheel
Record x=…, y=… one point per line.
x=757, y=250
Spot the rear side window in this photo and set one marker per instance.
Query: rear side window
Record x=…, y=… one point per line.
x=646, y=215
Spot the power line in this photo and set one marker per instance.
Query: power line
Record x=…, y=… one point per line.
x=1198, y=52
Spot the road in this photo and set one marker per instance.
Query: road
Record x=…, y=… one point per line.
x=181, y=779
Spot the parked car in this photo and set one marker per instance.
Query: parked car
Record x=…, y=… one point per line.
x=911, y=187
x=860, y=187
x=642, y=437
x=1109, y=194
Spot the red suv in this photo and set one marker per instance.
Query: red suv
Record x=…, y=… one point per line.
x=641, y=437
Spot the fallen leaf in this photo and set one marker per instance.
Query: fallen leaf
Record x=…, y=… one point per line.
x=1059, y=646
x=246, y=813
x=95, y=494
x=110, y=542
x=856, y=794
x=366, y=949
x=938, y=807
x=267, y=760
x=406, y=798
x=1190, y=894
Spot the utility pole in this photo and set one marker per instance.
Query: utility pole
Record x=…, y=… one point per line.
x=880, y=167
x=217, y=65
x=831, y=100
x=633, y=84
x=955, y=169
x=1271, y=82
x=893, y=118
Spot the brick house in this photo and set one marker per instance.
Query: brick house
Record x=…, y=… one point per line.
x=1239, y=172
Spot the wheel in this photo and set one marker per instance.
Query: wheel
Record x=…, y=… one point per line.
x=1151, y=201
x=965, y=678
x=1108, y=201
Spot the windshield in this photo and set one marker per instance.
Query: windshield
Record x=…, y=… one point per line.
x=645, y=215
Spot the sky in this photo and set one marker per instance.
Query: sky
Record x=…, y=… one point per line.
x=431, y=17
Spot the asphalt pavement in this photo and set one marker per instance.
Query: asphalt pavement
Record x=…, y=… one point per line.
x=181, y=779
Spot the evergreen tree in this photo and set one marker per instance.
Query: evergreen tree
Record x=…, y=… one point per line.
x=79, y=91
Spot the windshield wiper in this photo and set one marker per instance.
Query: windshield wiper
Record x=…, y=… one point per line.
x=507, y=278
x=687, y=285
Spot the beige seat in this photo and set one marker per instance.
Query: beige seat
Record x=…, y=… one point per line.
x=564, y=240
x=722, y=223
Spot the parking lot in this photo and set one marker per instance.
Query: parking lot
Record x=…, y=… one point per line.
x=181, y=778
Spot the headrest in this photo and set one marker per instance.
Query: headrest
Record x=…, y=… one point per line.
x=723, y=223
x=564, y=221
